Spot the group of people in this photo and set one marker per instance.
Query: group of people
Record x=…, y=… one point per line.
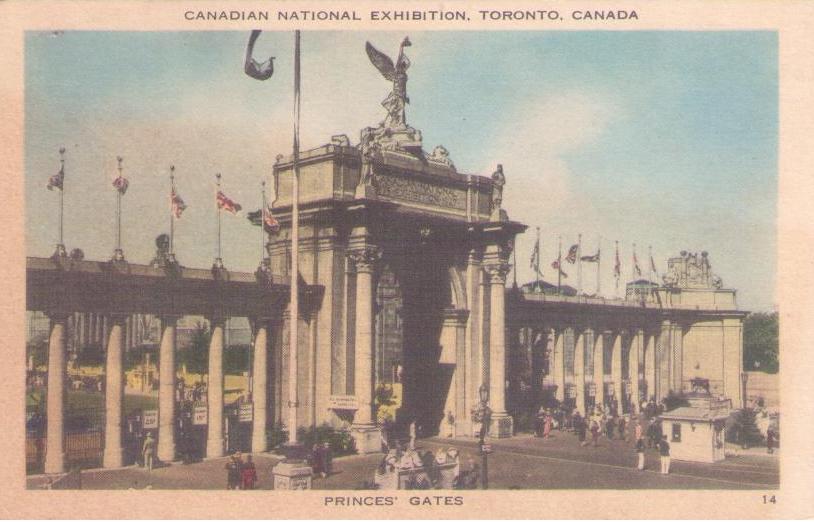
x=240, y=474
x=421, y=470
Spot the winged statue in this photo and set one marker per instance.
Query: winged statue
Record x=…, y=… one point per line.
x=397, y=73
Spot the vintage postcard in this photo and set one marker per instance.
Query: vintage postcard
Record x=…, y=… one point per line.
x=407, y=259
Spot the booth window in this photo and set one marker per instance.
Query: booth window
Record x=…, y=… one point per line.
x=676, y=432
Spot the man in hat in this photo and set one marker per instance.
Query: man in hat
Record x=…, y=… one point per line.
x=148, y=451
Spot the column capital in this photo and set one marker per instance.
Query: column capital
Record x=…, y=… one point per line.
x=497, y=272
x=365, y=258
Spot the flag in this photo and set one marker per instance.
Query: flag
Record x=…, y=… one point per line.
x=121, y=184
x=177, y=204
x=227, y=204
x=271, y=225
x=636, y=265
x=572, y=254
x=591, y=259
x=535, y=255
x=556, y=266
x=55, y=181
x=617, y=267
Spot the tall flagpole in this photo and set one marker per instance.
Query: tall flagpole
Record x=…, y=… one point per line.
x=650, y=263
x=537, y=264
x=218, y=258
x=172, y=212
x=579, y=264
x=598, y=265
x=263, y=223
x=118, y=254
x=60, y=244
x=295, y=245
x=559, y=265
x=635, y=264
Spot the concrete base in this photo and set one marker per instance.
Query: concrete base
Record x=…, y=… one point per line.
x=113, y=458
x=292, y=475
x=502, y=426
x=368, y=438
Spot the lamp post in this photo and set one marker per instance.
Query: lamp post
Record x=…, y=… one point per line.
x=483, y=414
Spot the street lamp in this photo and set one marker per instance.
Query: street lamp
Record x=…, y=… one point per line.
x=483, y=414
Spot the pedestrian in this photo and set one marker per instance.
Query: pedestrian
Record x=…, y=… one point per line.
x=664, y=452
x=640, y=453
x=148, y=451
x=412, y=434
x=547, y=426
x=248, y=474
x=637, y=430
x=609, y=426
x=594, y=431
x=621, y=427
x=770, y=440
x=232, y=473
x=579, y=427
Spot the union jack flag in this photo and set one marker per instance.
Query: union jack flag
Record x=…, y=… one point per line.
x=227, y=204
x=272, y=225
x=177, y=204
x=56, y=181
x=572, y=254
x=121, y=184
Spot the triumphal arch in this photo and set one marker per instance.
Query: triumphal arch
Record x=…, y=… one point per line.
x=413, y=256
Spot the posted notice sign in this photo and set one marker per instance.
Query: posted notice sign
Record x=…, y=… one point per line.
x=150, y=420
x=246, y=412
x=199, y=415
x=343, y=402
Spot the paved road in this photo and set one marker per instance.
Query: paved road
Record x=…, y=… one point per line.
x=522, y=462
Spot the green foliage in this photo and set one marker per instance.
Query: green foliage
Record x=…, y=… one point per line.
x=91, y=355
x=743, y=429
x=340, y=441
x=760, y=342
x=196, y=356
x=236, y=359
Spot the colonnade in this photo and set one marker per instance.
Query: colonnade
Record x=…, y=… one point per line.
x=113, y=455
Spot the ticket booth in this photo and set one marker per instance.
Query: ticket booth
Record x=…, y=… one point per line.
x=695, y=434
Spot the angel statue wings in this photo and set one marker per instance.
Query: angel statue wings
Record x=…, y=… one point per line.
x=397, y=99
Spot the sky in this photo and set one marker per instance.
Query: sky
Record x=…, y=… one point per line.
x=663, y=139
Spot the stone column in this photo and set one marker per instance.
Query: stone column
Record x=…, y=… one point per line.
x=55, y=429
x=559, y=362
x=599, y=367
x=214, y=396
x=260, y=386
x=650, y=364
x=634, y=358
x=114, y=394
x=579, y=371
x=663, y=360
x=166, y=390
x=616, y=368
x=473, y=331
x=677, y=357
x=501, y=421
x=365, y=431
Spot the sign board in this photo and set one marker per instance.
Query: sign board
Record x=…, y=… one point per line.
x=343, y=402
x=150, y=421
x=199, y=415
x=246, y=412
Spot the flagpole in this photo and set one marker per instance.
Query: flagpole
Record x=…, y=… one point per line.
x=172, y=213
x=559, y=264
x=635, y=264
x=598, y=265
x=118, y=255
x=537, y=264
x=218, y=258
x=579, y=264
x=60, y=243
x=295, y=233
x=616, y=273
x=263, y=223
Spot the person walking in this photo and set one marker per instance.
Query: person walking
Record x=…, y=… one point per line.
x=594, y=432
x=248, y=475
x=664, y=453
x=609, y=425
x=547, y=425
x=148, y=451
x=640, y=453
x=232, y=472
x=770, y=441
x=579, y=427
x=621, y=427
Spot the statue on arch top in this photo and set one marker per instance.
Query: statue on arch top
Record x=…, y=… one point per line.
x=397, y=73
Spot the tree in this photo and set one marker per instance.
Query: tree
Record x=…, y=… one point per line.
x=760, y=342
x=196, y=357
